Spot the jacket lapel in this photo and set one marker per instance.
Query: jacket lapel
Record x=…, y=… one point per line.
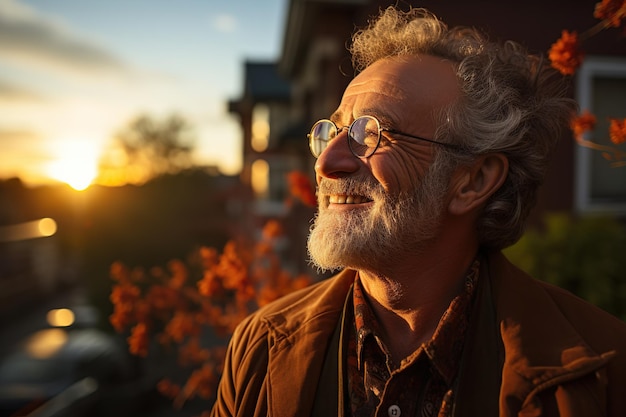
x=298, y=346
x=480, y=371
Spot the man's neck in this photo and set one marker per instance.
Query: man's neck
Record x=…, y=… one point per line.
x=409, y=302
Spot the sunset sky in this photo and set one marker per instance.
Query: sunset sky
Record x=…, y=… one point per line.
x=73, y=72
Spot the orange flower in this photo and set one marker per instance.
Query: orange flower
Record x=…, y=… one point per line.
x=168, y=389
x=300, y=282
x=139, y=340
x=244, y=294
x=143, y=311
x=125, y=294
x=192, y=353
x=272, y=229
x=158, y=273
x=233, y=267
x=617, y=131
x=583, y=123
x=120, y=320
x=565, y=54
x=300, y=187
x=264, y=248
x=202, y=383
x=179, y=273
x=138, y=275
x=611, y=11
x=162, y=298
x=209, y=285
x=119, y=272
x=182, y=325
x=208, y=257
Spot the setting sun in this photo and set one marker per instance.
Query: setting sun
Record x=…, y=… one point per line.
x=76, y=165
x=76, y=173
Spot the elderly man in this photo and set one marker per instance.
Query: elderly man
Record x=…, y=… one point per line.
x=428, y=167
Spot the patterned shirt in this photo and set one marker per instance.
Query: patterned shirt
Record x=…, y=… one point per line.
x=423, y=383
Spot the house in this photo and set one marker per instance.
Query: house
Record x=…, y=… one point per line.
x=314, y=68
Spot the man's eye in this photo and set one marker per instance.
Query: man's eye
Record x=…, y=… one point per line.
x=370, y=138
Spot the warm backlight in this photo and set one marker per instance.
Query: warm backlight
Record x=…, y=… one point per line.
x=46, y=343
x=75, y=165
x=77, y=174
x=60, y=317
x=28, y=230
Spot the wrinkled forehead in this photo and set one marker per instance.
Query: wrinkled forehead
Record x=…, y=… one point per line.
x=383, y=83
x=428, y=79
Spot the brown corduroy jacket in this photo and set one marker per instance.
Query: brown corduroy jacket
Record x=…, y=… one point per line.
x=533, y=350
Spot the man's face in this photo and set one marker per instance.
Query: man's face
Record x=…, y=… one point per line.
x=374, y=211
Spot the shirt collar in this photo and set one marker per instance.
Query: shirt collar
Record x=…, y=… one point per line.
x=444, y=348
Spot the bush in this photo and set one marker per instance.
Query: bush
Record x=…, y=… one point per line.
x=586, y=256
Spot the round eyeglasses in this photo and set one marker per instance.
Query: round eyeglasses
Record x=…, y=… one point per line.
x=363, y=136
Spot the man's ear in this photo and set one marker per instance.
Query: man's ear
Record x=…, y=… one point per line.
x=473, y=185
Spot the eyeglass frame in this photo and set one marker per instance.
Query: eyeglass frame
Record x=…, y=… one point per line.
x=380, y=129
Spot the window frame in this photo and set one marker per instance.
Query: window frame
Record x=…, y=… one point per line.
x=593, y=67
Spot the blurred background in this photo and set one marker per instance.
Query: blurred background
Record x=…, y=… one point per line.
x=137, y=132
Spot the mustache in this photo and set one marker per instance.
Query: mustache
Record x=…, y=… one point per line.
x=366, y=187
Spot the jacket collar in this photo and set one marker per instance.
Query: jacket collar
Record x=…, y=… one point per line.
x=299, y=337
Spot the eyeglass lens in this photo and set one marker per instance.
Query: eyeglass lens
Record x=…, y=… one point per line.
x=363, y=134
x=322, y=132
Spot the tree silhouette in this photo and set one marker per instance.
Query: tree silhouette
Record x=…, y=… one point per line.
x=147, y=148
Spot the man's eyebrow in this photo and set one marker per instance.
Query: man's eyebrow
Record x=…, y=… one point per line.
x=384, y=118
x=336, y=116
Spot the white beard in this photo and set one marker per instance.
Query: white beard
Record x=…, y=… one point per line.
x=376, y=237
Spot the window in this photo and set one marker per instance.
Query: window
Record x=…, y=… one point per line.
x=260, y=127
x=601, y=89
x=269, y=181
x=260, y=178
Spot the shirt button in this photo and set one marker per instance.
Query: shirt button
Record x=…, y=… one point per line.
x=394, y=411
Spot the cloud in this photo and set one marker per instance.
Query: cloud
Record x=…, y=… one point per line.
x=21, y=150
x=224, y=23
x=13, y=92
x=22, y=135
x=21, y=140
x=30, y=37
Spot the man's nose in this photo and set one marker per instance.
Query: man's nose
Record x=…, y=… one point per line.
x=337, y=160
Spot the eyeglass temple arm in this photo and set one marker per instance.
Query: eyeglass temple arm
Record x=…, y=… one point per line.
x=445, y=145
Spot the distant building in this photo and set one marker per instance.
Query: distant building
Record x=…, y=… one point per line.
x=272, y=148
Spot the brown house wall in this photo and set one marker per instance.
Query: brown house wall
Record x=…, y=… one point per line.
x=533, y=23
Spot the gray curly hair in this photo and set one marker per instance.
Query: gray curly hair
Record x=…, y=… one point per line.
x=510, y=103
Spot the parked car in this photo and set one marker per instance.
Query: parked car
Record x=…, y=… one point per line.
x=69, y=372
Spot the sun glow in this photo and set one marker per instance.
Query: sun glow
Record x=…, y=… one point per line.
x=75, y=165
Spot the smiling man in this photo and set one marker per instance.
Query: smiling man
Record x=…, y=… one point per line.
x=426, y=170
